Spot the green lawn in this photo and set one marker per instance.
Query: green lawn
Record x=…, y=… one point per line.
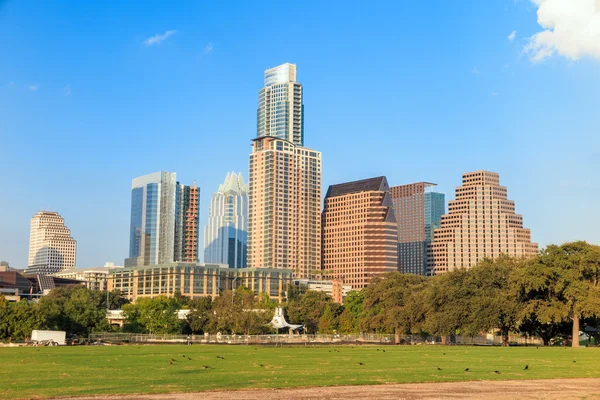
x=62, y=371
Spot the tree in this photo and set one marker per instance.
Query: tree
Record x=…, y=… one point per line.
x=25, y=318
x=5, y=318
x=200, y=315
x=386, y=299
x=307, y=309
x=350, y=316
x=493, y=301
x=561, y=285
x=156, y=315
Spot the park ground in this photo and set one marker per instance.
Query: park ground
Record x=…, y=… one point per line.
x=43, y=372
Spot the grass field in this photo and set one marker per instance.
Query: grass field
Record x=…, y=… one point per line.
x=72, y=371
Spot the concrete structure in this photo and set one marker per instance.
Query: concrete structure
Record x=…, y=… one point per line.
x=280, y=111
x=481, y=223
x=51, y=247
x=187, y=218
x=360, y=233
x=195, y=280
x=226, y=234
x=285, y=206
x=5, y=267
x=418, y=212
x=335, y=288
x=284, y=181
x=164, y=220
x=95, y=278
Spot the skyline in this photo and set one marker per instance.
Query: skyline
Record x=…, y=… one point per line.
x=436, y=115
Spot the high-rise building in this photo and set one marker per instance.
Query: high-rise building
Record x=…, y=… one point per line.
x=164, y=220
x=360, y=233
x=481, y=223
x=284, y=223
x=186, y=223
x=51, y=247
x=418, y=212
x=226, y=234
x=284, y=215
x=280, y=111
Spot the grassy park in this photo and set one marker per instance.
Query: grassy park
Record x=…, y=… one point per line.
x=100, y=370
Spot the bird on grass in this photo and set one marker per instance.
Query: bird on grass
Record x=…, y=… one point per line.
x=361, y=363
x=184, y=356
x=171, y=362
x=526, y=367
x=439, y=369
x=261, y=365
x=222, y=358
x=497, y=372
x=444, y=354
x=206, y=367
x=189, y=359
x=384, y=351
x=467, y=370
x=574, y=361
x=377, y=349
x=172, y=359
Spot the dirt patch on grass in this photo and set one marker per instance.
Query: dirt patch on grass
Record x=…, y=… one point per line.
x=501, y=390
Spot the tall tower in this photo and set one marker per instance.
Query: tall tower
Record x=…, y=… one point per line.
x=280, y=111
x=51, y=247
x=152, y=231
x=360, y=233
x=186, y=223
x=226, y=234
x=284, y=218
x=418, y=212
x=481, y=223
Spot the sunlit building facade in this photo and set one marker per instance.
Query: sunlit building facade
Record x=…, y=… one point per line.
x=481, y=223
x=418, y=211
x=51, y=247
x=360, y=233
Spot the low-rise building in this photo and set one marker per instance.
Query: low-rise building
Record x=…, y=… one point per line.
x=335, y=288
x=95, y=278
x=195, y=280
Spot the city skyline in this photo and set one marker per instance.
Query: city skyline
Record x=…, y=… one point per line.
x=468, y=113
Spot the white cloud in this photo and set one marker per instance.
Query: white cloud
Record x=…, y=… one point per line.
x=208, y=48
x=158, y=38
x=475, y=70
x=67, y=90
x=33, y=87
x=571, y=29
x=512, y=36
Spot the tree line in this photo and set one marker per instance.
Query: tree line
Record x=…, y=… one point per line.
x=552, y=295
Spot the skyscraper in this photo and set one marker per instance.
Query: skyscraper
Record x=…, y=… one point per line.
x=164, y=220
x=51, y=247
x=284, y=218
x=186, y=223
x=360, y=232
x=280, y=108
x=481, y=223
x=418, y=212
x=226, y=234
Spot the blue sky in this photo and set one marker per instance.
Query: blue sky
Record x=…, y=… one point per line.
x=411, y=90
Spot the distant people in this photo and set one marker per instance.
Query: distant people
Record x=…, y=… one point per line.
x=189, y=340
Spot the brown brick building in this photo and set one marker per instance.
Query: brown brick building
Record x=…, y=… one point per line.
x=481, y=223
x=359, y=231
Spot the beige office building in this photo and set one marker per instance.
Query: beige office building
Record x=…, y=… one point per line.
x=284, y=218
x=360, y=233
x=481, y=223
x=284, y=198
x=51, y=247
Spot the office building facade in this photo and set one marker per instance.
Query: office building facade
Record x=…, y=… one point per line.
x=284, y=222
x=481, y=223
x=418, y=212
x=51, y=247
x=164, y=220
x=360, y=232
x=226, y=234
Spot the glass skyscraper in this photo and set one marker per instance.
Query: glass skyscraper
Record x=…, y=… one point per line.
x=226, y=234
x=164, y=220
x=280, y=111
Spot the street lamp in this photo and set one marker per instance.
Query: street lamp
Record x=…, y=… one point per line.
x=233, y=288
